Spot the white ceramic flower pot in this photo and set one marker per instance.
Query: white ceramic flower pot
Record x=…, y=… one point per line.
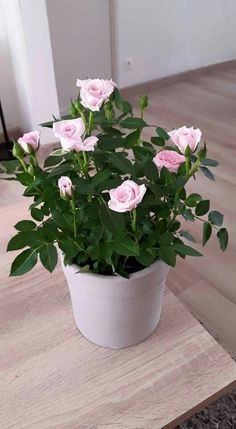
x=113, y=311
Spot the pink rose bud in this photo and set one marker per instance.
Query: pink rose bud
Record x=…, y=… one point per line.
x=66, y=187
x=126, y=197
x=29, y=142
x=69, y=132
x=169, y=159
x=184, y=137
x=95, y=92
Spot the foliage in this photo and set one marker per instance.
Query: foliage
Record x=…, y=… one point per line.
x=84, y=228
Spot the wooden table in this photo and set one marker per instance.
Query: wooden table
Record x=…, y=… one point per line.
x=52, y=377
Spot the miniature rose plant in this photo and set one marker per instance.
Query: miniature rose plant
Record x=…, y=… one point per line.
x=110, y=200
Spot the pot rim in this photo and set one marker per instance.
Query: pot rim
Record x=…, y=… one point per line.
x=116, y=277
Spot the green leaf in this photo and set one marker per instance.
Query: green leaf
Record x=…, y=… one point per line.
x=10, y=166
x=187, y=235
x=70, y=248
x=121, y=163
x=101, y=177
x=113, y=222
x=121, y=104
x=207, y=173
x=24, y=262
x=192, y=200
x=162, y=133
x=216, y=217
x=206, y=233
x=132, y=139
x=133, y=123
x=151, y=171
x=223, y=238
x=48, y=124
x=37, y=214
x=25, y=225
x=48, y=256
x=202, y=207
x=25, y=179
x=159, y=141
x=188, y=215
x=145, y=258
x=168, y=255
x=126, y=247
x=17, y=242
x=53, y=160
x=210, y=162
x=60, y=170
x=166, y=239
x=186, y=250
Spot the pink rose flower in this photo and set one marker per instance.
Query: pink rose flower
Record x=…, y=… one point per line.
x=86, y=145
x=69, y=132
x=126, y=197
x=66, y=187
x=29, y=142
x=184, y=137
x=169, y=159
x=95, y=92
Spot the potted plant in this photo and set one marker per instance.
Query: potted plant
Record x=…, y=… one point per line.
x=112, y=204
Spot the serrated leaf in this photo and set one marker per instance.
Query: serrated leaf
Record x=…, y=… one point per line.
x=25, y=225
x=202, y=207
x=37, y=214
x=133, y=123
x=186, y=250
x=113, y=222
x=121, y=163
x=158, y=141
x=126, y=247
x=192, y=200
x=210, y=162
x=207, y=173
x=23, y=263
x=162, y=133
x=17, y=242
x=121, y=104
x=216, y=217
x=168, y=255
x=223, y=238
x=48, y=256
x=132, y=139
x=206, y=233
x=187, y=235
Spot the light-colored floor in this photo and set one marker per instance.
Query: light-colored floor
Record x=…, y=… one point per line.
x=207, y=285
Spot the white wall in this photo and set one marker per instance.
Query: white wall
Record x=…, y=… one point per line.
x=80, y=36
x=165, y=37
x=30, y=48
x=8, y=92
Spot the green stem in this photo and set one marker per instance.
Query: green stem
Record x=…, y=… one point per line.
x=23, y=164
x=134, y=220
x=90, y=124
x=73, y=208
x=187, y=165
x=82, y=115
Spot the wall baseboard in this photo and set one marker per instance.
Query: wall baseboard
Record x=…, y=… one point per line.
x=172, y=79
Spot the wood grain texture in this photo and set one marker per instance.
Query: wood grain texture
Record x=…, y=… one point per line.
x=206, y=99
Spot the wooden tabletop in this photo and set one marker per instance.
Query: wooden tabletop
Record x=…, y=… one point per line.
x=52, y=377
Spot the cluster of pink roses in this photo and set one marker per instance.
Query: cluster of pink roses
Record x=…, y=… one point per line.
x=71, y=133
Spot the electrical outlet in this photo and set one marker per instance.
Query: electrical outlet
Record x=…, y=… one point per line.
x=128, y=62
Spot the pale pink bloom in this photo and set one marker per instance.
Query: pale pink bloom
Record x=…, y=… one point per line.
x=66, y=187
x=86, y=145
x=69, y=132
x=126, y=197
x=95, y=92
x=30, y=141
x=169, y=159
x=184, y=137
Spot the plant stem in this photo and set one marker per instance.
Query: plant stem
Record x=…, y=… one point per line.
x=73, y=208
x=134, y=220
x=82, y=115
x=90, y=124
x=23, y=164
